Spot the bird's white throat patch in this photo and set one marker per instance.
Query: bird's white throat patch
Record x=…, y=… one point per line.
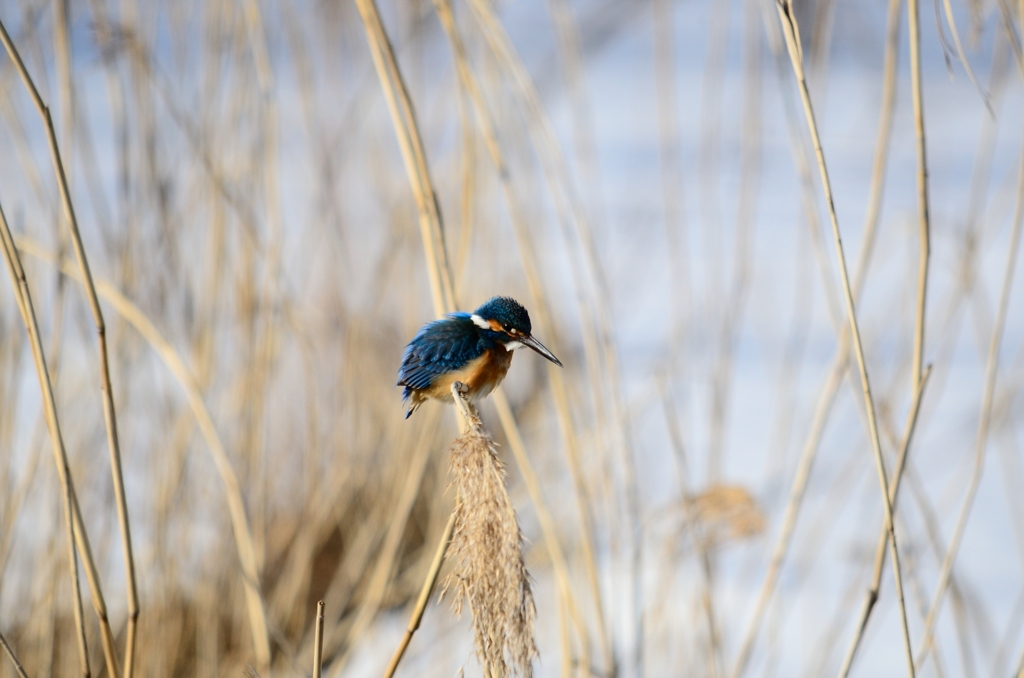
x=480, y=322
x=512, y=345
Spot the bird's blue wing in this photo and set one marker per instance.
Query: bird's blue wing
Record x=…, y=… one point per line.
x=441, y=347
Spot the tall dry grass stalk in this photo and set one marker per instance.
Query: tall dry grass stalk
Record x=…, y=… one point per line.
x=109, y=412
x=318, y=641
x=489, y=574
x=28, y=315
x=791, y=31
x=840, y=360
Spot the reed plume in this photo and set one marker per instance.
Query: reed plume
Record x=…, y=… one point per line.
x=487, y=551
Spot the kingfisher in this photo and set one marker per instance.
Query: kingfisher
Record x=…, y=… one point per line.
x=472, y=348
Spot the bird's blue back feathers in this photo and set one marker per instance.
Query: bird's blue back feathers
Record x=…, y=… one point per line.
x=440, y=347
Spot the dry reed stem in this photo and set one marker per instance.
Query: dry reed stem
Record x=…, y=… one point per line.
x=809, y=203
x=110, y=416
x=13, y=657
x=913, y=20
x=486, y=549
x=66, y=106
x=318, y=642
x=799, y=152
x=28, y=316
x=792, y=35
x=830, y=388
x=871, y=596
x=565, y=640
x=984, y=418
x=424, y=597
x=236, y=506
x=917, y=377
x=407, y=132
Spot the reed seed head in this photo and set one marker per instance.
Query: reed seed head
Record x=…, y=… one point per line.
x=487, y=551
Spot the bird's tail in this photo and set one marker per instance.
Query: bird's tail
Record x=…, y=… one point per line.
x=407, y=394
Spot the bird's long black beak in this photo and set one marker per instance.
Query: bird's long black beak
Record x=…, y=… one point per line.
x=539, y=348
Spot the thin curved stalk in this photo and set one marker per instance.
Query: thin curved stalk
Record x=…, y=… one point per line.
x=924, y=229
x=60, y=458
x=832, y=383
x=792, y=35
x=110, y=415
x=403, y=117
x=917, y=377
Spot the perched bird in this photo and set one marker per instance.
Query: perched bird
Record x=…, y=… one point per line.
x=472, y=348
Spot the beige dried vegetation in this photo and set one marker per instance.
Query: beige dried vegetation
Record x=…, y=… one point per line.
x=251, y=230
x=489, y=574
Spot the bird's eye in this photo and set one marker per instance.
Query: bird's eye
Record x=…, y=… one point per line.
x=507, y=328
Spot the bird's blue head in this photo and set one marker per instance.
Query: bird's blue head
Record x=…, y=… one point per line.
x=506, y=321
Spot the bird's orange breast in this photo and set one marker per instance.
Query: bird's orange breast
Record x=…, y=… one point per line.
x=481, y=375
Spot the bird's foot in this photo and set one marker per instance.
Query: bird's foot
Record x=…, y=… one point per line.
x=460, y=387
